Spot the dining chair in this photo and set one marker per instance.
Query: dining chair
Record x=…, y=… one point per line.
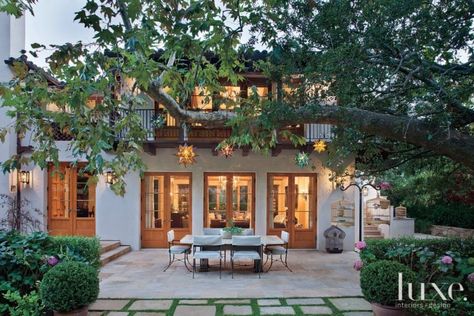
x=210, y=247
x=246, y=247
x=174, y=250
x=212, y=231
x=281, y=251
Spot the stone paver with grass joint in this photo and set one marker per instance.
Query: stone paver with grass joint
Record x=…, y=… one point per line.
x=347, y=306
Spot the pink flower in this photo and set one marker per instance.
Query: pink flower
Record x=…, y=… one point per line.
x=470, y=277
x=360, y=245
x=446, y=260
x=52, y=261
x=358, y=264
x=385, y=185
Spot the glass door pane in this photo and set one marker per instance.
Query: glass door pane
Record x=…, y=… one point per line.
x=154, y=201
x=60, y=193
x=242, y=197
x=279, y=197
x=180, y=195
x=85, y=197
x=303, y=202
x=217, y=201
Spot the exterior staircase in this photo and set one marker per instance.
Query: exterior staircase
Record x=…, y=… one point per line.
x=372, y=232
x=111, y=250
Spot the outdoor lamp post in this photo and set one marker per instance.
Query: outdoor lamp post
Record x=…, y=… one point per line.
x=361, y=189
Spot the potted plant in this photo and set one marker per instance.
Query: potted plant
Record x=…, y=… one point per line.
x=69, y=287
x=379, y=283
x=230, y=230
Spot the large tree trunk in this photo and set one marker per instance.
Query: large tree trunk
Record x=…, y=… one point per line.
x=459, y=147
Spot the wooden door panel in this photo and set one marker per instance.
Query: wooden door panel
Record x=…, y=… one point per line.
x=165, y=205
x=71, y=202
x=291, y=206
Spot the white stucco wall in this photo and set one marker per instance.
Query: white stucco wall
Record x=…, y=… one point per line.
x=166, y=161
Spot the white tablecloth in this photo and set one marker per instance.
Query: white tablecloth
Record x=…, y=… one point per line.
x=266, y=240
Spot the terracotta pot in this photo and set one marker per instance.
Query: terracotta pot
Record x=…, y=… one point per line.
x=77, y=312
x=384, y=310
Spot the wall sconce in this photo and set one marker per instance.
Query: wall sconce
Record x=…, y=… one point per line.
x=110, y=177
x=24, y=177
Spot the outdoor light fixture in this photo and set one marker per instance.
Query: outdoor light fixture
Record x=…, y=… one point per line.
x=110, y=177
x=227, y=150
x=320, y=146
x=186, y=155
x=302, y=159
x=25, y=177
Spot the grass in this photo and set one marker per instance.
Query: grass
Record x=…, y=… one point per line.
x=252, y=302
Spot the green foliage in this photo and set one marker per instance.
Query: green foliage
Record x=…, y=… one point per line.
x=379, y=281
x=86, y=247
x=234, y=230
x=24, y=262
x=69, y=286
x=24, y=305
x=424, y=257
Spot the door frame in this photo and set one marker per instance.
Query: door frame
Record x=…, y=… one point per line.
x=166, y=221
x=73, y=219
x=311, y=233
x=228, y=194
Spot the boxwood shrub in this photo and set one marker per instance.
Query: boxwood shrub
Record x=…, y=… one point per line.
x=379, y=281
x=23, y=261
x=69, y=286
x=86, y=247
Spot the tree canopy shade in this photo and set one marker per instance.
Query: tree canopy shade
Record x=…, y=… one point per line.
x=400, y=71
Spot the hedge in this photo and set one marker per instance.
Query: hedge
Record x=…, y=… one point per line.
x=86, y=247
x=379, y=247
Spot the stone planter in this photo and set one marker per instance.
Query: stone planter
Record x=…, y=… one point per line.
x=77, y=312
x=384, y=310
x=449, y=231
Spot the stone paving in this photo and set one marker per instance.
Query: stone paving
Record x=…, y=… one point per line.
x=140, y=274
x=345, y=306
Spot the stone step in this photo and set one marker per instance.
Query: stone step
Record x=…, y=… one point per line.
x=108, y=245
x=113, y=254
x=373, y=233
x=371, y=228
x=373, y=237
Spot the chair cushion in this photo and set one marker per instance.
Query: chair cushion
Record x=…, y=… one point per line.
x=179, y=249
x=276, y=250
x=207, y=254
x=254, y=255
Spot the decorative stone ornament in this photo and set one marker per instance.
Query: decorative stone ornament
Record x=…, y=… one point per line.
x=320, y=146
x=302, y=159
x=227, y=150
x=186, y=155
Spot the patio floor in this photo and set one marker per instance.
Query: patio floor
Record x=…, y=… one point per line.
x=139, y=274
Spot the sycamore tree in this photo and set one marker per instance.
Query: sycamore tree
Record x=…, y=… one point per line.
x=399, y=75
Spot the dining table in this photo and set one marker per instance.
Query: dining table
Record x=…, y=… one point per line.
x=267, y=240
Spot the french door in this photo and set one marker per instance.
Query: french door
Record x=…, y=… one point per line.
x=166, y=204
x=229, y=197
x=71, y=202
x=292, y=207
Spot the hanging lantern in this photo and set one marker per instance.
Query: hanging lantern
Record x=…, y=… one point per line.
x=320, y=146
x=227, y=150
x=186, y=155
x=25, y=177
x=302, y=159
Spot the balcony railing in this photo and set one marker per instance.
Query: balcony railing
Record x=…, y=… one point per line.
x=171, y=131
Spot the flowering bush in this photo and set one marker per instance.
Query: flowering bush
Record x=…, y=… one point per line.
x=440, y=261
x=25, y=259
